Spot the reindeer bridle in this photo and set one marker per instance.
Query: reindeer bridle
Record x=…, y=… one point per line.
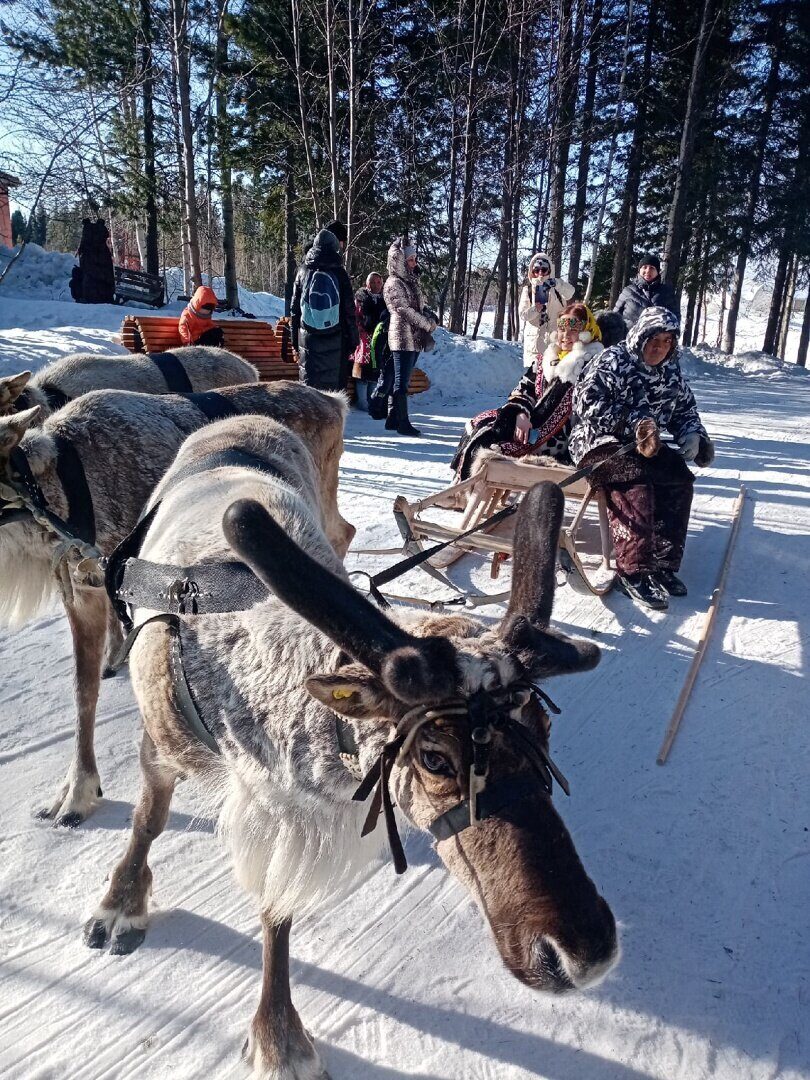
x=486, y=712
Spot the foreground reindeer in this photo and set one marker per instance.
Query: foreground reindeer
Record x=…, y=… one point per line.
x=88, y=472
x=445, y=712
x=193, y=368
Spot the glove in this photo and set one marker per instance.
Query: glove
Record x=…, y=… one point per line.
x=705, y=455
x=648, y=441
x=690, y=445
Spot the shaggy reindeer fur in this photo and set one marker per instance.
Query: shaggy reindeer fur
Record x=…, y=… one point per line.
x=207, y=369
x=126, y=442
x=268, y=683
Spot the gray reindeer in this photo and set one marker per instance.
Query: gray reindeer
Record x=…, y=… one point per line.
x=193, y=368
x=87, y=473
x=308, y=686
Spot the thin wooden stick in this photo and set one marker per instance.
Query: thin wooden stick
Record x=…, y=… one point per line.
x=708, y=624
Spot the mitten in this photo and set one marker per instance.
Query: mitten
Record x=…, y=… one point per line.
x=690, y=445
x=648, y=441
x=705, y=455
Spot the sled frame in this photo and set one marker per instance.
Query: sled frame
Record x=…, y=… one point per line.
x=501, y=482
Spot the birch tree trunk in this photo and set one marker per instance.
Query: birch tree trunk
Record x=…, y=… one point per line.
x=225, y=174
x=769, y=344
x=183, y=72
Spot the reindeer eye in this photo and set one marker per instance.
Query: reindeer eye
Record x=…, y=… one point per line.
x=436, y=763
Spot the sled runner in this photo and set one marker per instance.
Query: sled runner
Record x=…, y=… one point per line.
x=585, y=545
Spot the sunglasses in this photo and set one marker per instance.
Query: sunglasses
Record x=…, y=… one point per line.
x=542, y=268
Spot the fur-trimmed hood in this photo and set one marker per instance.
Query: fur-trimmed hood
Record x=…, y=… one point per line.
x=396, y=260
x=569, y=368
x=538, y=255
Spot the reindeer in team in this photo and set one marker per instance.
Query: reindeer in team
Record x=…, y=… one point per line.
x=192, y=369
x=72, y=489
x=277, y=702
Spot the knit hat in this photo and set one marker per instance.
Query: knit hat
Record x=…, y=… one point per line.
x=408, y=250
x=338, y=229
x=647, y=258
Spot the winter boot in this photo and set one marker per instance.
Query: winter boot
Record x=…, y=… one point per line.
x=404, y=425
x=644, y=589
x=670, y=582
x=391, y=419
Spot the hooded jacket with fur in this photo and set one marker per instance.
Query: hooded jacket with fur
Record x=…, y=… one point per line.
x=617, y=390
x=539, y=308
x=194, y=321
x=408, y=329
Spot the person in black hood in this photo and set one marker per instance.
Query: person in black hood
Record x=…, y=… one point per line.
x=322, y=316
x=646, y=290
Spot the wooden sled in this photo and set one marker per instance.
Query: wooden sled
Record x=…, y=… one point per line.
x=584, y=554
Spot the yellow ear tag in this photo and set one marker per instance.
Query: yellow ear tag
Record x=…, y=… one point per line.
x=339, y=695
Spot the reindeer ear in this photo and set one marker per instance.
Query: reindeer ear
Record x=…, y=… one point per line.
x=11, y=386
x=353, y=691
x=12, y=428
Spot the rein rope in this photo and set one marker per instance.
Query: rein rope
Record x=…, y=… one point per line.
x=486, y=712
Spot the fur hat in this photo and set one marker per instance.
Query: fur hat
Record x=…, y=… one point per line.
x=648, y=258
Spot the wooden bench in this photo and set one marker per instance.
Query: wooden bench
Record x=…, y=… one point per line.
x=138, y=285
x=270, y=350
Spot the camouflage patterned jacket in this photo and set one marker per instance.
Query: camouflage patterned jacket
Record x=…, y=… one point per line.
x=617, y=390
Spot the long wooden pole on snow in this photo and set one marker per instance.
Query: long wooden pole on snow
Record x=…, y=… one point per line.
x=708, y=624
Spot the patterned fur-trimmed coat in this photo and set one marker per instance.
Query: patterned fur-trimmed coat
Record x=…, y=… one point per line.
x=617, y=390
x=408, y=330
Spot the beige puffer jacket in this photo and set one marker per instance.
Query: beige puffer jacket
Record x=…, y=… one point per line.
x=538, y=321
x=409, y=329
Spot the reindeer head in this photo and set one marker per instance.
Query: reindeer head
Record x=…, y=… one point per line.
x=467, y=754
x=11, y=387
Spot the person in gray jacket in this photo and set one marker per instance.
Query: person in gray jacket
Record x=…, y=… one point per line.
x=645, y=291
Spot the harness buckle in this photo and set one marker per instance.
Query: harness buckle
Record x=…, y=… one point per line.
x=179, y=591
x=481, y=740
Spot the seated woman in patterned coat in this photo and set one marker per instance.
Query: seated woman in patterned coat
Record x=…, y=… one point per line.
x=633, y=391
x=536, y=417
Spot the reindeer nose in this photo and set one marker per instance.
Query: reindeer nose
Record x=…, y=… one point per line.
x=559, y=967
x=548, y=967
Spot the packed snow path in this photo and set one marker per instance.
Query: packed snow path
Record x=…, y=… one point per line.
x=706, y=862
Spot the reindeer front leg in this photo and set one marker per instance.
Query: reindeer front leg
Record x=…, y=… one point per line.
x=87, y=615
x=121, y=916
x=115, y=639
x=278, y=1046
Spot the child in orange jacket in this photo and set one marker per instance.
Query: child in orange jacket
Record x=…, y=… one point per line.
x=195, y=323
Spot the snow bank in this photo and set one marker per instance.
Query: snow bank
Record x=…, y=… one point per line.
x=37, y=273
x=702, y=359
x=459, y=367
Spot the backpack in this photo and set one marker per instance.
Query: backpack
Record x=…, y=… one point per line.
x=382, y=362
x=320, y=303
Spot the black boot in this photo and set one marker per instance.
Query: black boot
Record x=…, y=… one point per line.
x=644, y=589
x=404, y=425
x=391, y=419
x=670, y=582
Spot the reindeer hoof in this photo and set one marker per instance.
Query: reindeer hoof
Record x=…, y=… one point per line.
x=127, y=941
x=71, y=820
x=109, y=673
x=96, y=933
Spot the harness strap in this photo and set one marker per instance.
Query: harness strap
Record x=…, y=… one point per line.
x=495, y=797
x=212, y=405
x=56, y=398
x=173, y=372
x=8, y=515
x=81, y=520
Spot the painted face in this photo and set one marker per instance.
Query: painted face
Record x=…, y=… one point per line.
x=568, y=331
x=647, y=272
x=658, y=348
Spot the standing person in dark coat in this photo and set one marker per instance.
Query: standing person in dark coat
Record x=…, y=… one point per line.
x=369, y=305
x=646, y=290
x=322, y=315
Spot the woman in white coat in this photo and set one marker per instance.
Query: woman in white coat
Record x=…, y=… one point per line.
x=542, y=300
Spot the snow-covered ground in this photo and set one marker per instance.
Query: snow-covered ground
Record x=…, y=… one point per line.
x=706, y=862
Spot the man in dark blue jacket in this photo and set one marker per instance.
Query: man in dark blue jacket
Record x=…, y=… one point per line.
x=646, y=290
